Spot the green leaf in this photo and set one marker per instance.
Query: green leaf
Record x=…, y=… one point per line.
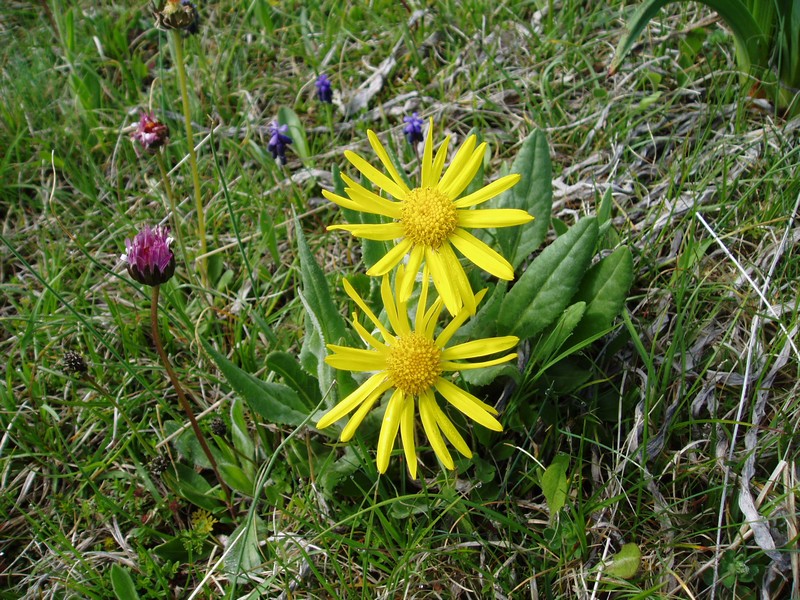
x=239, y=432
x=192, y=486
x=236, y=478
x=544, y=290
x=534, y=194
x=625, y=563
x=751, y=41
x=286, y=116
x=275, y=402
x=554, y=484
x=286, y=365
x=604, y=289
x=553, y=337
x=244, y=554
x=122, y=584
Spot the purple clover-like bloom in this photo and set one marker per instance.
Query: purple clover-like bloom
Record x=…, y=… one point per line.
x=151, y=133
x=324, y=89
x=413, y=128
x=278, y=141
x=148, y=256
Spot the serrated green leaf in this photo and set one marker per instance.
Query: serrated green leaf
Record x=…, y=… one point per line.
x=286, y=116
x=533, y=194
x=122, y=583
x=544, y=290
x=604, y=289
x=274, y=402
x=625, y=563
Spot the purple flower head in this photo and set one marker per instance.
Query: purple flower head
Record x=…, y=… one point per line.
x=324, y=89
x=278, y=141
x=148, y=256
x=151, y=133
x=413, y=128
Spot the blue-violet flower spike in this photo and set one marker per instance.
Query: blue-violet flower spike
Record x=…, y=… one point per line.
x=278, y=141
x=324, y=89
x=413, y=128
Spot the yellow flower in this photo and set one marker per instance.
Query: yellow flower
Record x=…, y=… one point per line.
x=429, y=220
x=411, y=362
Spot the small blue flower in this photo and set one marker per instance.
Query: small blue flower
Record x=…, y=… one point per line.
x=324, y=89
x=278, y=141
x=413, y=128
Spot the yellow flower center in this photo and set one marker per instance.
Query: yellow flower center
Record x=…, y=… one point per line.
x=428, y=217
x=413, y=364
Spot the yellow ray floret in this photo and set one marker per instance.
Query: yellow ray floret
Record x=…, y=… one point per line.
x=428, y=221
x=413, y=363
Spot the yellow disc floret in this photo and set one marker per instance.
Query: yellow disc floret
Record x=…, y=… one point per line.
x=414, y=363
x=428, y=217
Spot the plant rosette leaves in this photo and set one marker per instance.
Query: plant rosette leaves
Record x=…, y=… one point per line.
x=554, y=484
x=625, y=563
x=122, y=583
x=545, y=289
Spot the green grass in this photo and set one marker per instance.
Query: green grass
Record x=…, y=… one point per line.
x=657, y=438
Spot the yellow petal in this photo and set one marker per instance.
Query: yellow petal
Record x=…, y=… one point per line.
x=488, y=192
x=355, y=359
x=391, y=421
x=429, y=424
x=468, y=404
x=372, y=231
x=458, y=164
x=383, y=156
x=459, y=278
x=375, y=176
x=351, y=291
x=374, y=386
x=457, y=321
x=367, y=336
x=482, y=347
x=458, y=366
x=397, y=319
x=442, y=281
x=427, y=159
x=467, y=174
x=438, y=163
x=408, y=437
x=410, y=275
x=493, y=217
x=369, y=201
x=350, y=429
x=342, y=201
x=450, y=431
x=390, y=259
x=481, y=254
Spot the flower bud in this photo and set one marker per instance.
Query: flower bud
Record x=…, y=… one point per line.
x=278, y=141
x=413, y=128
x=150, y=133
x=149, y=258
x=324, y=89
x=176, y=14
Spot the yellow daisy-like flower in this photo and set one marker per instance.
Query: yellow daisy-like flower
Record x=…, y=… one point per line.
x=412, y=362
x=430, y=220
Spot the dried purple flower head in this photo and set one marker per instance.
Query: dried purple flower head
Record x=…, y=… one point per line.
x=278, y=141
x=176, y=14
x=151, y=133
x=324, y=89
x=413, y=128
x=74, y=362
x=148, y=258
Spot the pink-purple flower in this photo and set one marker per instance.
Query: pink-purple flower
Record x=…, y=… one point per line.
x=151, y=133
x=148, y=256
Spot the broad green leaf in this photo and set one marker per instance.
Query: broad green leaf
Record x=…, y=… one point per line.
x=236, y=478
x=286, y=365
x=192, y=486
x=625, y=563
x=544, y=290
x=484, y=323
x=239, y=432
x=604, y=289
x=554, y=484
x=275, y=402
x=122, y=584
x=243, y=555
x=318, y=293
x=534, y=194
x=553, y=337
x=286, y=116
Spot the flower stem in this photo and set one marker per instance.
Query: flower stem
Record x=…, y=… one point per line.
x=184, y=401
x=187, y=116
